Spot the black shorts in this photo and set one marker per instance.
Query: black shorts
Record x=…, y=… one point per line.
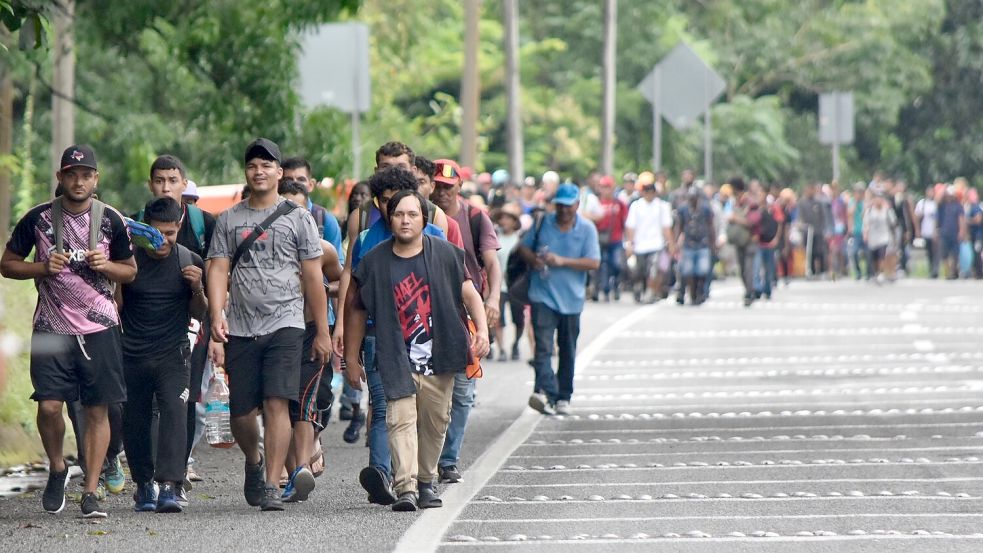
x=306, y=408
x=263, y=367
x=68, y=367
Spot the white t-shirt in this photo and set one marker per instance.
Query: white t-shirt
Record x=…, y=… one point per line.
x=590, y=204
x=648, y=220
x=928, y=210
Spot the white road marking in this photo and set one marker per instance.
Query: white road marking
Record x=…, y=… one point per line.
x=427, y=532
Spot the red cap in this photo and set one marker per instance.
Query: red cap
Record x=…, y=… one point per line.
x=448, y=172
x=607, y=180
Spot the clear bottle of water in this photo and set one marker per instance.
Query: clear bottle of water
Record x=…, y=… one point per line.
x=218, y=430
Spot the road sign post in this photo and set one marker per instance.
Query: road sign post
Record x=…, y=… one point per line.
x=836, y=123
x=334, y=72
x=672, y=87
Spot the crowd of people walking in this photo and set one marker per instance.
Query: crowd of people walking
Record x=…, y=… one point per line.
x=406, y=295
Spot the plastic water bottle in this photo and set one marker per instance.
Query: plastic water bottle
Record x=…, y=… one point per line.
x=218, y=431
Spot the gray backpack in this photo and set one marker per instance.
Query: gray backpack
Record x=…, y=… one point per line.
x=95, y=223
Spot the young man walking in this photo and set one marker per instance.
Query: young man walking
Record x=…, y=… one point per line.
x=155, y=311
x=267, y=255
x=305, y=417
x=75, y=346
x=481, y=258
x=566, y=248
x=169, y=179
x=413, y=286
x=377, y=477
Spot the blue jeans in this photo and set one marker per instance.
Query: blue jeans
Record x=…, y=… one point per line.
x=350, y=397
x=546, y=323
x=765, y=272
x=858, y=251
x=460, y=411
x=695, y=262
x=612, y=256
x=379, y=455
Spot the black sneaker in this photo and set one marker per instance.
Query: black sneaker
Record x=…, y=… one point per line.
x=255, y=484
x=449, y=475
x=375, y=482
x=406, y=502
x=53, y=498
x=515, y=351
x=353, y=432
x=167, y=499
x=428, y=498
x=91, y=507
x=271, y=499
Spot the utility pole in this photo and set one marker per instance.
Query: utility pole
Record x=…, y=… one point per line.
x=470, y=85
x=608, y=65
x=63, y=82
x=514, y=146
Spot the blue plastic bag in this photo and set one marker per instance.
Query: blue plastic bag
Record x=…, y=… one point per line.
x=966, y=254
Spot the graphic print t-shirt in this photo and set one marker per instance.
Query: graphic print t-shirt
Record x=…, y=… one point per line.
x=411, y=290
x=77, y=300
x=265, y=288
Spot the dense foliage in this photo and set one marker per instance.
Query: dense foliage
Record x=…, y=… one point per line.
x=198, y=79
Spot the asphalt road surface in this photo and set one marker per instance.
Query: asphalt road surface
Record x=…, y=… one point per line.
x=837, y=417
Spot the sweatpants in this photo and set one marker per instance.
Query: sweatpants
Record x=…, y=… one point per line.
x=163, y=377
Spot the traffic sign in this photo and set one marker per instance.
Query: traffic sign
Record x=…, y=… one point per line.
x=683, y=86
x=836, y=118
x=334, y=67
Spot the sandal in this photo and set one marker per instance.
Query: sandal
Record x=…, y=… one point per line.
x=317, y=462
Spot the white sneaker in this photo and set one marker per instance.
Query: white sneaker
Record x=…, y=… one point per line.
x=540, y=403
x=562, y=407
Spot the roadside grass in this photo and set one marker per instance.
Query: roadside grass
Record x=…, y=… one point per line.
x=19, y=442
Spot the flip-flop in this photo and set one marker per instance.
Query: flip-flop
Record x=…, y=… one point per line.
x=317, y=463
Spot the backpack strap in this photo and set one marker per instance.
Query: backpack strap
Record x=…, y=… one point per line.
x=95, y=223
x=319, y=213
x=363, y=214
x=474, y=223
x=197, y=218
x=184, y=256
x=58, y=224
x=285, y=207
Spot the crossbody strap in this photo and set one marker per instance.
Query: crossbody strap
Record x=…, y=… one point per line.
x=286, y=207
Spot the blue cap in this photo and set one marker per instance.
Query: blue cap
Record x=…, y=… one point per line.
x=567, y=194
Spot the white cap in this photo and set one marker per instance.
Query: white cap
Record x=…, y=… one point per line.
x=551, y=176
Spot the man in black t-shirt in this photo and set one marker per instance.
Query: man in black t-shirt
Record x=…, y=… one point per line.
x=156, y=309
x=169, y=178
x=413, y=287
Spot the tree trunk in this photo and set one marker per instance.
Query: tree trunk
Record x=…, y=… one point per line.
x=470, y=85
x=608, y=63
x=63, y=82
x=514, y=144
x=6, y=138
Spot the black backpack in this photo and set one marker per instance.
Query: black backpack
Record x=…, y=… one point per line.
x=768, y=225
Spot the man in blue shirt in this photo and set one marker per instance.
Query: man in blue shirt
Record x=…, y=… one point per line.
x=561, y=252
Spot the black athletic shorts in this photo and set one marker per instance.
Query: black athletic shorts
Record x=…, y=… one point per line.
x=88, y=367
x=305, y=408
x=262, y=367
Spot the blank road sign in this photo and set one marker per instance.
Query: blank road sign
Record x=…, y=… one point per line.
x=836, y=118
x=682, y=86
x=334, y=67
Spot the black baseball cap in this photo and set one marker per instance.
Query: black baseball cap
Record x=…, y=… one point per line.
x=78, y=155
x=262, y=148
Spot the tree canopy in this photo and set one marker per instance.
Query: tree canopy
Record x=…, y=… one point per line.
x=199, y=79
